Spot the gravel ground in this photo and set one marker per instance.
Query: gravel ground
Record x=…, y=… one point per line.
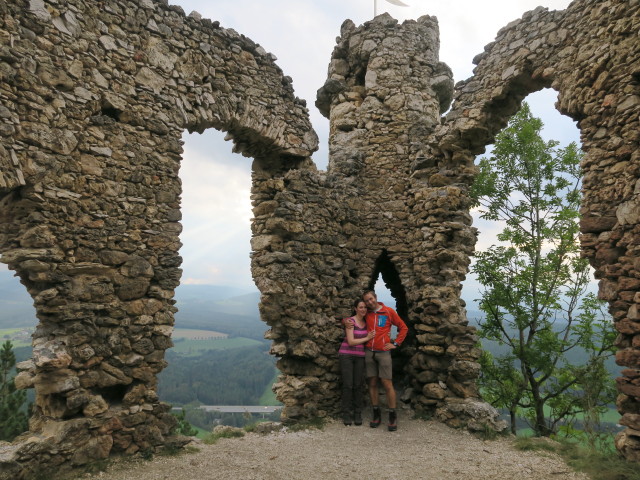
x=419, y=449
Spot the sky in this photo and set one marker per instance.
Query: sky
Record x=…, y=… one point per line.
x=302, y=34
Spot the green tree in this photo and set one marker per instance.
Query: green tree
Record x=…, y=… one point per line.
x=535, y=297
x=13, y=418
x=183, y=426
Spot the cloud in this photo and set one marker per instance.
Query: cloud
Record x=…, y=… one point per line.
x=216, y=209
x=302, y=33
x=217, y=184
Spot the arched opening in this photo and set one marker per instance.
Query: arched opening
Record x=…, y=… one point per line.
x=18, y=319
x=510, y=327
x=556, y=126
x=17, y=324
x=219, y=356
x=386, y=282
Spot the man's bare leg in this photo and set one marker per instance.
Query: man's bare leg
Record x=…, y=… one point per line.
x=391, y=403
x=373, y=394
x=373, y=391
x=390, y=391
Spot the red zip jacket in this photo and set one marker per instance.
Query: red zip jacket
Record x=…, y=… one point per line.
x=380, y=322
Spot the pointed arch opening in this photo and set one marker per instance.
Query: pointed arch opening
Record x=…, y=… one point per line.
x=219, y=355
x=385, y=270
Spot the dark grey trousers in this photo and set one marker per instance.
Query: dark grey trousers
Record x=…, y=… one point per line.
x=352, y=369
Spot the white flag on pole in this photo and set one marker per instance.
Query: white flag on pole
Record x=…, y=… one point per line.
x=393, y=2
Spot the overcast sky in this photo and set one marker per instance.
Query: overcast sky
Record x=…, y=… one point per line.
x=301, y=34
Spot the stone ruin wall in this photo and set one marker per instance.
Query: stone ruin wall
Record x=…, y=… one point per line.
x=95, y=97
x=589, y=54
x=336, y=231
x=90, y=210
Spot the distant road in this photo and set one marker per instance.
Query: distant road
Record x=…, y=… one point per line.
x=237, y=408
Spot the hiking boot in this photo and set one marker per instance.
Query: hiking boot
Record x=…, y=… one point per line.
x=347, y=419
x=375, y=422
x=357, y=418
x=393, y=421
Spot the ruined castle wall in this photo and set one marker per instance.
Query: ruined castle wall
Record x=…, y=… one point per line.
x=412, y=172
x=321, y=238
x=589, y=54
x=385, y=93
x=95, y=97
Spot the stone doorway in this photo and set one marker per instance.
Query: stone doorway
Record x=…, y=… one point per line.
x=385, y=270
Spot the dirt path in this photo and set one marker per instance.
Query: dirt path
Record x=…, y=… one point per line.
x=418, y=450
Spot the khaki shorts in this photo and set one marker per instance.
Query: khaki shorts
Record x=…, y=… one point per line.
x=378, y=364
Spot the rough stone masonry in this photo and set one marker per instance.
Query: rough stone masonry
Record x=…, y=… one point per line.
x=94, y=99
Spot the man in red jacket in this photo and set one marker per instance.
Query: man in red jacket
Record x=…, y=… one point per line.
x=380, y=319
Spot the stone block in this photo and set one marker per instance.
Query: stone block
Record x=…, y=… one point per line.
x=597, y=224
x=57, y=381
x=434, y=390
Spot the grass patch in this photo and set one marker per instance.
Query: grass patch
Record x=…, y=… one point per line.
x=202, y=433
x=602, y=466
x=214, y=437
x=176, y=451
x=598, y=465
x=250, y=427
x=423, y=415
x=268, y=398
x=146, y=454
x=315, y=423
x=536, y=444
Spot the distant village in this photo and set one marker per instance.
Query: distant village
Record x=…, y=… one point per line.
x=20, y=336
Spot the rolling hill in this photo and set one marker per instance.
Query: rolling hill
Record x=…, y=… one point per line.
x=210, y=307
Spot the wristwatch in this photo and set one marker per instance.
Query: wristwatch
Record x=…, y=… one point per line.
x=395, y=344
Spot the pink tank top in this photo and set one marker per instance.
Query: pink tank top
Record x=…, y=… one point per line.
x=357, y=350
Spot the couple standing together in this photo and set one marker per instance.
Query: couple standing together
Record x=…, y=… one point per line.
x=367, y=348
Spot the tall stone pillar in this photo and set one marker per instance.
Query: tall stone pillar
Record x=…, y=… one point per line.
x=384, y=95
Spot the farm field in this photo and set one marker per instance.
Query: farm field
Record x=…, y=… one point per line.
x=187, y=347
x=192, y=334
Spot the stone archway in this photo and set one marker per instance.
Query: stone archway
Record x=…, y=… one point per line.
x=588, y=54
x=95, y=98
x=386, y=270
x=89, y=153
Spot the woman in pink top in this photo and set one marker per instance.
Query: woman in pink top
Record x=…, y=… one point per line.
x=351, y=357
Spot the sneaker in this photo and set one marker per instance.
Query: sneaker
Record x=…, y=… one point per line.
x=346, y=419
x=375, y=422
x=393, y=421
x=357, y=418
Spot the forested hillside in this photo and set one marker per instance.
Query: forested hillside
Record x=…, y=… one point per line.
x=218, y=377
x=16, y=306
x=576, y=356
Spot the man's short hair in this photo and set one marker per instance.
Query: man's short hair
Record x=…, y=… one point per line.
x=372, y=292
